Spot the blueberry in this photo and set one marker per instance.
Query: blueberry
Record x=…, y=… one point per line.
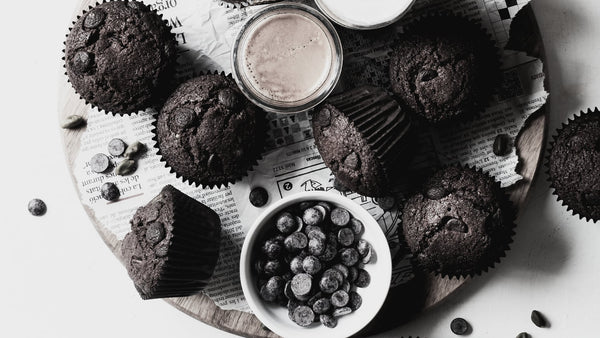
x=316, y=247
x=259, y=197
x=342, y=311
x=459, y=326
x=355, y=300
x=296, y=265
x=328, y=320
x=301, y=284
x=345, y=237
x=303, y=316
x=312, y=216
x=286, y=223
x=311, y=265
x=273, y=267
x=36, y=207
x=272, y=248
x=356, y=226
x=363, y=280
x=296, y=242
x=109, y=191
x=340, y=298
x=329, y=253
x=275, y=286
x=321, y=306
x=349, y=256
x=328, y=284
x=340, y=217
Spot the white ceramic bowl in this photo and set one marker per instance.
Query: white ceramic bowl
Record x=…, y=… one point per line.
x=274, y=316
x=363, y=15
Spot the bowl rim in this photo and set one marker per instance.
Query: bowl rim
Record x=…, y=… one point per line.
x=351, y=25
x=383, y=258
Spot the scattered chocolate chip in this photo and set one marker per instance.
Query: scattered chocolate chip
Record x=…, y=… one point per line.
x=502, y=145
x=523, y=335
x=162, y=249
x=83, y=62
x=136, y=149
x=183, y=118
x=386, y=203
x=155, y=233
x=436, y=193
x=36, y=207
x=126, y=167
x=339, y=186
x=73, y=122
x=459, y=326
x=94, y=18
x=229, y=98
x=259, y=197
x=99, y=163
x=538, y=319
x=116, y=147
x=109, y=191
x=426, y=75
x=323, y=118
x=352, y=161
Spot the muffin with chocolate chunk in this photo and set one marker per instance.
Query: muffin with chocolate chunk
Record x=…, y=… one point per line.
x=444, y=68
x=363, y=136
x=173, y=246
x=209, y=133
x=573, y=165
x=460, y=223
x=120, y=56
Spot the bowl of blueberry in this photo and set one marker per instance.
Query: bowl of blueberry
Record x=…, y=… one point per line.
x=315, y=263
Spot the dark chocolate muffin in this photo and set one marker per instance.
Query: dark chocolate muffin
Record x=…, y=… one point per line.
x=120, y=56
x=173, y=246
x=444, y=67
x=362, y=136
x=460, y=223
x=573, y=165
x=208, y=132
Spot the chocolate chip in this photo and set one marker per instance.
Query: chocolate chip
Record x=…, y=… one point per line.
x=538, y=319
x=183, y=117
x=286, y=223
x=126, y=167
x=523, y=335
x=136, y=149
x=352, y=161
x=454, y=224
x=214, y=164
x=502, y=145
x=155, y=233
x=459, y=326
x=436, y=193
x=302, y=284
x=296, y=241
x=94, y=18
x=116, y=147
x=109, y=191
x=36, y=207
x=426, y=75
x=340, y=298
x=328, y=320
x=83, y=62
x=364, y=279
x=340, y=217
x=73, y=122
x=259, y=197
x=229, y=98
x=323, y=117
x=303, y=316
x=99, y=163
x=386, y=203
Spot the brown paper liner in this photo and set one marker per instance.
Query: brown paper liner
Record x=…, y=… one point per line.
x=262, y=135
x=193, y=249
x=169, y=84
x=577, y=118
x=492, y=75
x=503, y=240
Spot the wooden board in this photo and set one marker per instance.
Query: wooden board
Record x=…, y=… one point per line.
x=424, y=291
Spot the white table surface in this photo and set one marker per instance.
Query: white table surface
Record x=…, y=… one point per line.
x=59, y=279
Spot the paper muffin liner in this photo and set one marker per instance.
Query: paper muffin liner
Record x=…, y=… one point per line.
x=170, y=82
x=381, y=122
x=502, y=244
x=244, y=3
x=262, y=134
x=192, y=236
x=493, y=78
x=577, y=118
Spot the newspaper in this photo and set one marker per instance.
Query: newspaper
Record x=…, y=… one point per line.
x=205, y=30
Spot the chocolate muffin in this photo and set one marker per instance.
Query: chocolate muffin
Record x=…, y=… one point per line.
x=120, y=56
x=573, y=165
x=362, y=136
x=173, y=246
x=444, y=67
x=208, y=132
x=460, y=223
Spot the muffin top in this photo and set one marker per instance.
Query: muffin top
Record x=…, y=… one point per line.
x=360, y=135
x=444, y=67
x=573, y=165
x=459, y=223
x=119, y=56
x=208, y=132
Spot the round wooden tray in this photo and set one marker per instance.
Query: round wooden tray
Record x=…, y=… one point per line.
x=425, y=290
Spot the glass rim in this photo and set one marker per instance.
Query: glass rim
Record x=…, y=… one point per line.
x=325, y=88
x=333, y=17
